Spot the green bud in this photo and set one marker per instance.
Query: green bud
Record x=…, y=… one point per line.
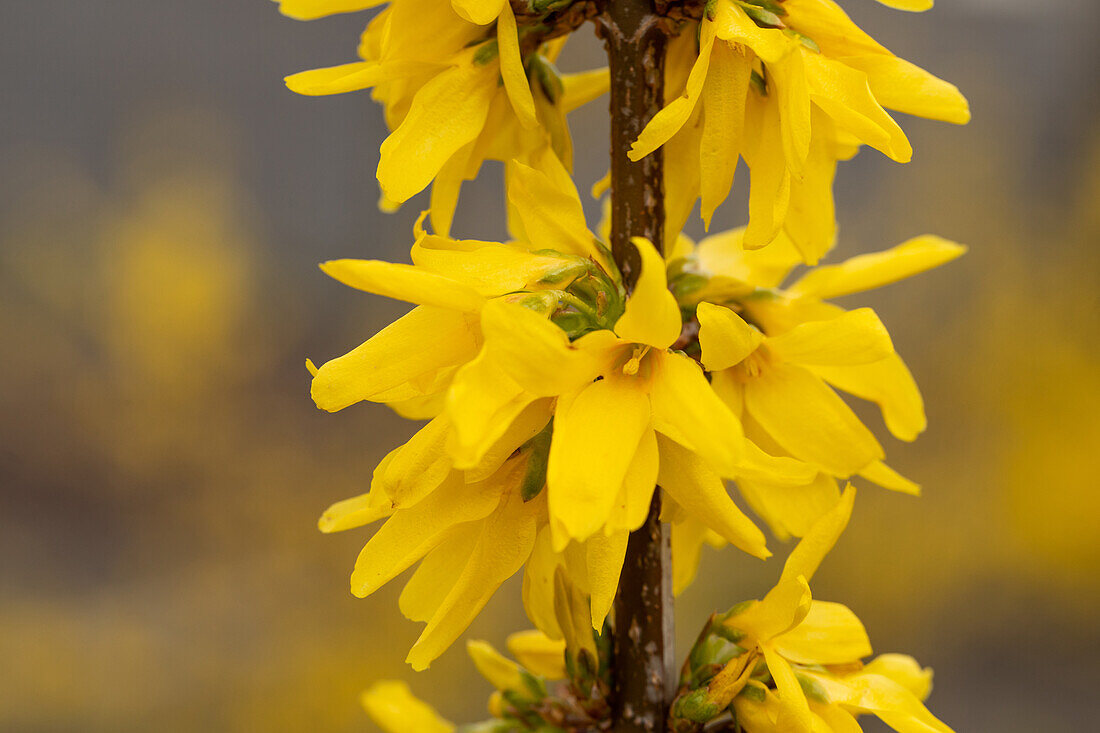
x=548, y=77
x=812, y=689
x=760, y=16
x=754, y=693
x=728, y=633
x=534, y=684
x=759, y=83
x=538, y=451
x=804, y=40
x=695, y=706
x=686, y=284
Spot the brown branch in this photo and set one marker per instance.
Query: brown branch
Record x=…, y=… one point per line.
x=643, y=659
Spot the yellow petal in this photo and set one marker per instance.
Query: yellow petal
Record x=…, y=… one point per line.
x=490, y=268
x=702, y=495
x=501, y=672
x=856, y=337
x=791, y=509
x=733, y=24
x=526, y=425
x=770, y=184
x=595, y=440
x=686, y=409
x=724, y=254
x=505, y=543
x=652, y=316
x=418, y=467
x=788, y=82
x=481, y=12
x=583, y=87
x=844, y=93
x=807, y=555
x=780, y=610
x=355, y=512
x=481, y=405
x=413, y=347
x=511, y=62
x=830, y=634
x=404, y=282
x=876, y=269
x=354, y=76
x=538, y=585
x=410, y=534
x=888, y=478
x=727, y=85
x=551, y=213
x=669, y=120
x=811, y=217
x=898, y=84
x=904, y=670
x=889, y=384
x=688, y=537
x=446, y=188
x=724, y=337
x=605, y=555
x=538, y=653
x=437, y=573
x=762, y=466
x=632, y=504
x=534, y=352
x=794, y=711
x=809, y=420
x=446, y=114
x=393, y=707
x=872, y=693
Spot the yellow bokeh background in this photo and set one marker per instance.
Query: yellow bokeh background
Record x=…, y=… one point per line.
x=165, y=202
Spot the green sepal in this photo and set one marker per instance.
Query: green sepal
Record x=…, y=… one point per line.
x=695, y=706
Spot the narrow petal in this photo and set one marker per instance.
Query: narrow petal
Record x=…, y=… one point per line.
x=538, y=585
x=702, y=495
x=632, y=504
x=605, y=555
x=511, y=62
x=501, y=672
x=724, y=94
x=669, y=120
x=481, y=405
x=355, y=512
x=410, y=534
x=354, y=76
x=447, y=113
x=889, y=384
x=550, y=211
x=811, y=217
x=526, y=425
x=913, y=6
x=413, y=347
x=872, y=693
x=830, y=634
x=855, y=337
x=809, y=420
x=724, y=337
x=686, y=409
x=437, y=573
x=724, y=253
x=733, y=24
x=868, y=271
x=595, y=440
x=794, y=710
x=888, y=478
x=404, y=282
x=808, y=554
x=652, y=316
x=904, y=670
x=788, y=80
x=688, y=537
x=538, y=653
x=583, y=87
x=780, y=610
x=770, y=184
x=905, y=87
x=791, y=509
x=490, y=268
x=505, y=543
x=418, y=467
x=393, y=707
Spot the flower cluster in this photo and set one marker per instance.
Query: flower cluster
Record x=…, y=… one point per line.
x=559, y=396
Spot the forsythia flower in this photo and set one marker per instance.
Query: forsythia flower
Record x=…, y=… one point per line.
x=792, y=86
x=470, y=94
x=776, y=354
x=791, y=664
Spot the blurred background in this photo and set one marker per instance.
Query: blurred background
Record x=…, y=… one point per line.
x=164, y=202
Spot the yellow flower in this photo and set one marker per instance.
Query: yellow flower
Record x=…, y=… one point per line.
x=395, y=709
x=776, y=355
x=791, y=93
x=796, y=667
x=445, y=100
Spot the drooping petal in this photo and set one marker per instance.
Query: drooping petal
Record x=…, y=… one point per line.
x=501, y=672
x=898, y=84
x=787, y=79
x=355, y=512
x=856, y=337
x=791, y=509
x=511, y=62
x=724, y=254
x=811, y=216
x=353, y=77
x=418, y=467
x=437, y=572
x=794, y=710
x=889, y=384
x=686, y=409
x=415, y=346
x=770, y=184
x=872, y=693
x=702, y=495
x=888, y=478
x=404, y=282
x=526, y=425
x=481, y=405
x=809, y=420
x=873, y=270
x=724, y=93
x=724, y=337
x=595, y=440
x=688, y=537
x=447, y=113
x=904, y=670
x=652, y=316
x=538, y=653
x=830, y=634
x=780, y=610
x=550, y=211
x=538, y=585
x=410, y=534
x=913, y=6
x=581, y=88
x=605, y=555
x=393, y=707
x=505, y=543
x=632, y=504
x=806, y=557
x=732, y=23
x=669, y=120
x=490, y=268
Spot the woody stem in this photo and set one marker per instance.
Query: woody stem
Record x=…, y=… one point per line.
x=643, y=659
